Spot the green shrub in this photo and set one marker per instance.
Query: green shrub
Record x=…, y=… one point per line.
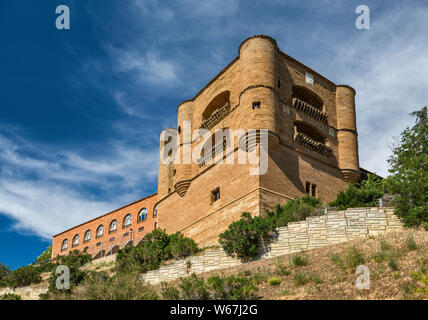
x=298, y=261
x=169, y=291
x=411, y=243
x=23, y=276
x=121, y=286
x=194, y=288
x=297, y=209
x=280, y=269
x=274, y=281
x=156, y=247
x=425, y=225
x=337, y=260
x=409, y=175
x=10, y=296
x=353, y=258
x=232, y=288
x=4, y=271
x=74, y=260
x=393, y=265
x=242, y=238
x=364, y=194
x=316, y=279
x=181, y=247
x=379, y=257
x=301, y=278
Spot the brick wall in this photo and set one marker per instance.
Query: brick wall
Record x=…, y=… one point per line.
x=314, y=232
x=110, y=241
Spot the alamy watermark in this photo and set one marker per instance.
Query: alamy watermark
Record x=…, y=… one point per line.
x=63, y=20
x=204, y=148
x=363, y=20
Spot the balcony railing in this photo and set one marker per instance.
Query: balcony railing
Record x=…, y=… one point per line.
x=309, y=110
x=313, y=145
x=212, y=155
x=216, y=117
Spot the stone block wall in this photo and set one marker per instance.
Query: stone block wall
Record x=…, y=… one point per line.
x=314, y=232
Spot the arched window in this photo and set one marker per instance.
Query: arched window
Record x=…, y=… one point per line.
x=127, y=220
x=76, y=240
x=113, y=226
x=100, y=231
x=155, y=212
x=307, y=96
x=309, y=131
x=142, y=215
x=87, y=236
x=64, y=245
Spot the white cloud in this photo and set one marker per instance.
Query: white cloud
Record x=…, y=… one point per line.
x=388, y=67
x=47, y=193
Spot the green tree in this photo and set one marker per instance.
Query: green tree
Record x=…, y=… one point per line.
x=364, y=194
x=4, y=271
x=409, y=172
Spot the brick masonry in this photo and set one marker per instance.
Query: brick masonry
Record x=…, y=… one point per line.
x=314, y=232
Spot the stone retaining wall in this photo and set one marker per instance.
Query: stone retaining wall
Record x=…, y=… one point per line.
x=314, y=232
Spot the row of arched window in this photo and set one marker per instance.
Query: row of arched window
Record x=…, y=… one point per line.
x=127, y=221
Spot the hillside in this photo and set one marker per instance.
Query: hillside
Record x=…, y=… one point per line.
x=395, y=260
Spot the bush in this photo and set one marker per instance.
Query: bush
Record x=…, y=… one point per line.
x=411, y=243
x=74, y=261
x=337, y=260
x=409, y=173
x=10, y=296
x=121, y=286
x=297, y=209
x=194, y=288
x=232, y=288
x=301, y=279
x=353, y=258
x=4, y=271
x=23, y=276
x=274, y=281
x=43, y=262
x=219, y=287
x=393, y=265
x=299, y=261
x=157, y=246
x=364, y=194
x=242, y=238
x=181, y=247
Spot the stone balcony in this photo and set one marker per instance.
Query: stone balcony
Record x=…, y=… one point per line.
x=216, y=117
x=309, y=110
x=313, y=145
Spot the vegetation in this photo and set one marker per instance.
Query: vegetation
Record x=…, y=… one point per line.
x=243, y=237
x=43, y=262
x=156, y=247
x=219, y=287
x=10, y=296
x=364, y=194
x=409, y=172
x=21, y=277
x=4, y=271
x=274, y=281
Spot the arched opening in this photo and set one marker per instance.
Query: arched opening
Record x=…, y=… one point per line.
x=100, y=231
x=87, y=236
x=309, y=131
x=75, y=240
x=127, y=220
x=142, y=215
x=218, y=102
x=64, y=245
x=113, y=226
x=308, y=97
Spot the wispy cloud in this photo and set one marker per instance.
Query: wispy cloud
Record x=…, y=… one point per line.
x=49, y=191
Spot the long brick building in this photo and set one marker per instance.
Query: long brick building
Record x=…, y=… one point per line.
x=312, y=149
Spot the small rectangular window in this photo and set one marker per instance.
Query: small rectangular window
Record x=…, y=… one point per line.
x=314, y=190
x=308, y=187
x=111, y=239
x=141, y=229
x=256, y=105
x=156, y=225
x=215, y=195
x=126, y=234
x=98, y=244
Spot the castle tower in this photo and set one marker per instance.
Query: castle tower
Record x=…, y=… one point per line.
x=166, y=159
x=184, y=166
x=258, y=74
x=347, y=133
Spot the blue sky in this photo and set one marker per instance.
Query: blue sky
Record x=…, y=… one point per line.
x=81, y=110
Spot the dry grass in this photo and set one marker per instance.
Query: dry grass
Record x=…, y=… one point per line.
x=330, y=271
